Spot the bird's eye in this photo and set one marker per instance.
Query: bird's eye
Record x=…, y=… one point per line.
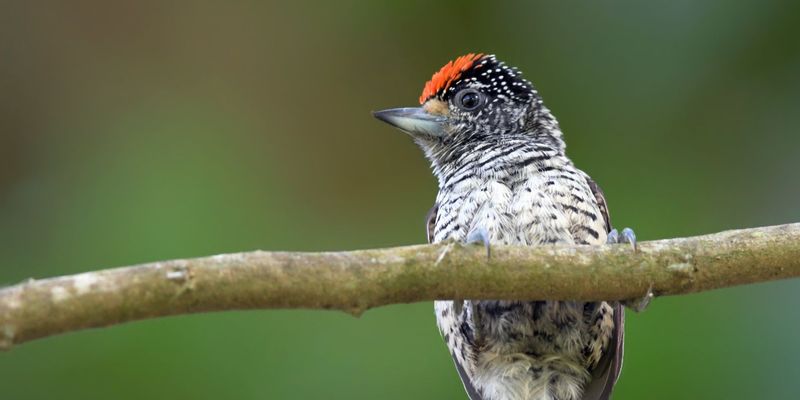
x=469, y=99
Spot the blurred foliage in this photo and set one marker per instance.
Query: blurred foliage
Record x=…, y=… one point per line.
x=138, y=131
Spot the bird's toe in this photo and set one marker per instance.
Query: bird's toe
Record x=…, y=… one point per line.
x=480, y=235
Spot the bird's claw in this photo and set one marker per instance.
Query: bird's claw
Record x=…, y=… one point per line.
x=640, y=304
x=627, y=236
x=480, y=235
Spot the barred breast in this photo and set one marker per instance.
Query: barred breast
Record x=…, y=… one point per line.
x=522, y=194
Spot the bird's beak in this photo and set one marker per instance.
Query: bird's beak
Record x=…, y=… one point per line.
x=414, y=121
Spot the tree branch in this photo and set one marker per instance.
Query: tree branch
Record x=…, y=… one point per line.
x=355, y=281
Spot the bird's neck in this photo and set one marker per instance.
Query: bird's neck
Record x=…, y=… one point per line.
x=503, y=159
x=539, y=142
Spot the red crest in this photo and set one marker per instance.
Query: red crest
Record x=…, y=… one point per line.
x=447, y=75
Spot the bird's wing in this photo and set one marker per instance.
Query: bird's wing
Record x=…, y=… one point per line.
x=430, y=224
x=472, y=393
x=605, y=374
x=601, y=202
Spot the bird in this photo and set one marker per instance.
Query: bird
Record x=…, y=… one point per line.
x=498, y=154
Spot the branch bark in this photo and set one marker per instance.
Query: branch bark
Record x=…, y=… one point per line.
x=355, y=281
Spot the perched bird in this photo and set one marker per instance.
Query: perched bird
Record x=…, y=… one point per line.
x=498, y=154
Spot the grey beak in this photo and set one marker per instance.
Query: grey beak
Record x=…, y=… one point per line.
x=414, y=121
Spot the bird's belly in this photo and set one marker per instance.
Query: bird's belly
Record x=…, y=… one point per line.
x=535, y=328
x=494, y=336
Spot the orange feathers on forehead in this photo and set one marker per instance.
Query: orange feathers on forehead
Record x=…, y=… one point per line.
x=447, y=75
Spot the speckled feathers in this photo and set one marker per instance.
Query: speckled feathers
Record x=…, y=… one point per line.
x=485, y=72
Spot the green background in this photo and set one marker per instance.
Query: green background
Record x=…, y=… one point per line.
x=144, y=131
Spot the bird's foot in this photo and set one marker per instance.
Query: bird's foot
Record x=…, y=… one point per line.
x=480, y=235
x=627, y=236
x=640, y=304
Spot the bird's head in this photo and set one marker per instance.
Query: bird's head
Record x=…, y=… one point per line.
x=475, y=99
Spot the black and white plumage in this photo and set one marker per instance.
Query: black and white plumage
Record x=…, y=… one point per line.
x=498, y=155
